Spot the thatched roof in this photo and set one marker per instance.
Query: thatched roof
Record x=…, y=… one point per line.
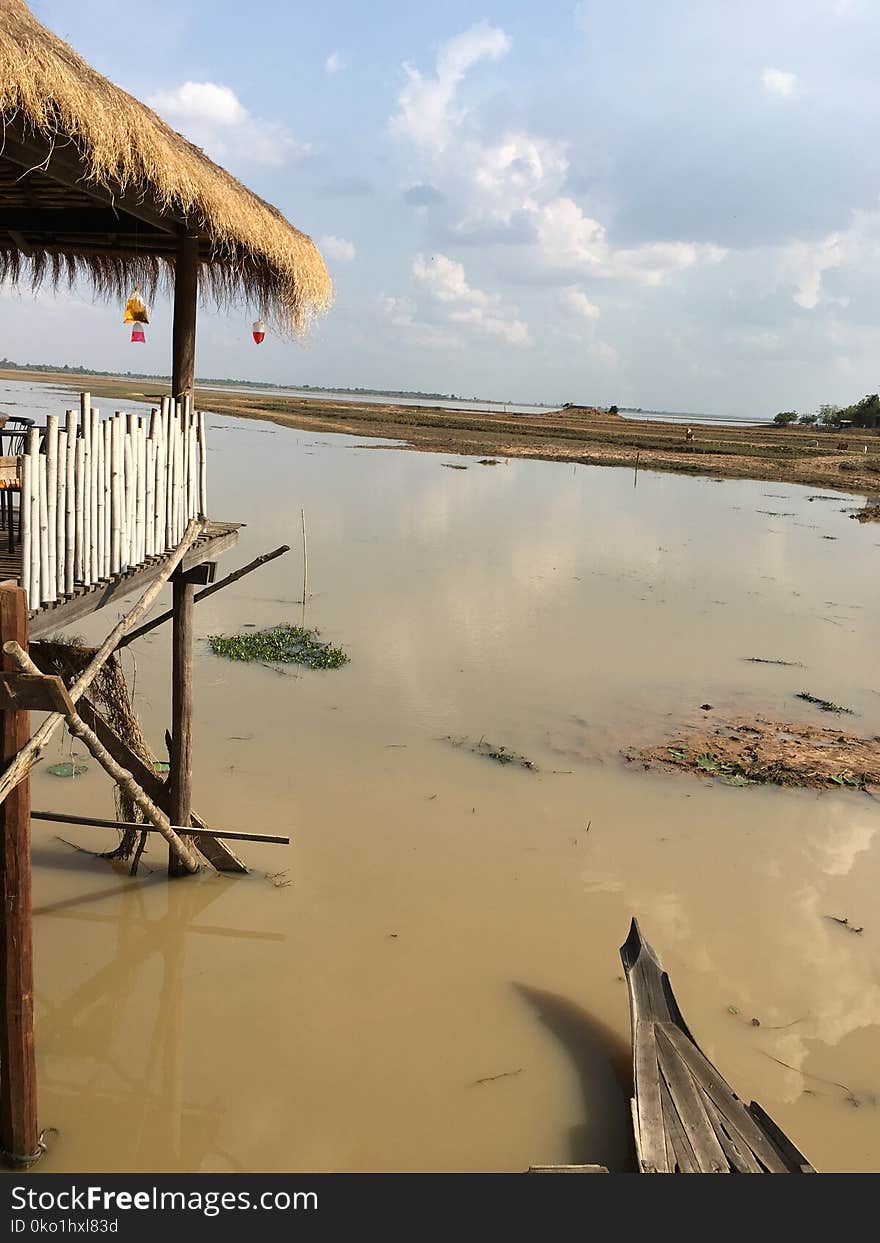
x=84, y=141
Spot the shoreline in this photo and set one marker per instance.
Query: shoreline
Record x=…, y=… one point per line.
x=581, y=435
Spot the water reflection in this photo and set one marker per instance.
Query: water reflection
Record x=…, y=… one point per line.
x=562, y=614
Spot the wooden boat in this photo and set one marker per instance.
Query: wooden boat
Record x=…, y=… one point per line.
x=686, y=1118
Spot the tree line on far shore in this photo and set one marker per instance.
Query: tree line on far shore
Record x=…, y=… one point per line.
x=864, y=413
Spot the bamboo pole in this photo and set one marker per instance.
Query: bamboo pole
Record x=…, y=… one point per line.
x=85, y=488
x=61, y=817
x=52, y=500
x=116, y=496
x=33, y=448
x=33, y=751
x=305, y=568
x=203, y=466
x=25, y=514
x=123, y=778
x=47, y=587
x=140, y=492
x=167, y=488
x=79, y=516
x=172, y=465
x=100, y=499
x=93, y=457
x=128, y=499
x=61, y=515
x=70, y=506
x=194, y=467
x=183, y=462
x=150, y=498
x=19, y=1129
x=107, y=463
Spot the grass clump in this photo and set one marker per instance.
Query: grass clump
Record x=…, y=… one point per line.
x=284, y=644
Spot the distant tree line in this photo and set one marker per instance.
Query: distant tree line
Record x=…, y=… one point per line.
x=864, y=413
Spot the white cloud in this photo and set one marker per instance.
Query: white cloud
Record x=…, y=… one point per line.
x=335, y=62
x=426, y=105
x=510, y=187
x=212, y=116
x=653, y=263
x=445, y=281
x=577, y=302
x=803, y=264
x=779, y=82
x=338, y=248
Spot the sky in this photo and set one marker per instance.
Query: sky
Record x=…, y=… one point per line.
x=671, y=206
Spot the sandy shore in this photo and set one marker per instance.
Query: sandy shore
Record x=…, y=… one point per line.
x=819, y=459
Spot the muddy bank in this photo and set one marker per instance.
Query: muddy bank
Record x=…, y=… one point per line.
x=756, y=751
x=578, y=434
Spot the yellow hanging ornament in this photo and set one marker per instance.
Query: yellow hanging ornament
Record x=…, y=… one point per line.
x=135, y=309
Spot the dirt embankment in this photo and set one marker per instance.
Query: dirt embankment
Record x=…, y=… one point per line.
x=847, y=461
x=757, y=751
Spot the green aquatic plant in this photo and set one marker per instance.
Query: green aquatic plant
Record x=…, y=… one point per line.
x=284, y=644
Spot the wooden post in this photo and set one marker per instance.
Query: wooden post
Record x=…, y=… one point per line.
x=19, y=1134
x=181, y=709
x=186, y=292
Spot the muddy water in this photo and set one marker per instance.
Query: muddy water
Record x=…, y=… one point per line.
x=428, y=978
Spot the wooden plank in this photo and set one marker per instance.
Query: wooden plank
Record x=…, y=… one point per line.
x=29, y=692
x=688, y=1103
x=731, y=1108
x=677, y=1140
x=650, y=1142
x=737, y=1152
x=218, y=538
x=181, y=707
x=19, y=1133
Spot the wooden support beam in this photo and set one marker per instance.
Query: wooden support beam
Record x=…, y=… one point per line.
x=19, y=1132
x=181, y=706
x=208, y=591
x=88, y=221
x=19, y=767
x=63, y=817
x=33, y=692
x=186, y=295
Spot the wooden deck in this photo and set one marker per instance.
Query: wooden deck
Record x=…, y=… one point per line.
x=217, y=538
x=686, y=1118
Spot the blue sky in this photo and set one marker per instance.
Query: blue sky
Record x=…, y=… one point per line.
x=671, y=206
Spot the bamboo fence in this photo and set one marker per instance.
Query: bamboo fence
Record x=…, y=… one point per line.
x=102, y=497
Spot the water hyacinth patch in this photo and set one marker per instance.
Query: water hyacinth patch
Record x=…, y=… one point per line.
x=284, y=644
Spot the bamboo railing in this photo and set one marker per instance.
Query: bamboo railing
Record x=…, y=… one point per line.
x=101, y=497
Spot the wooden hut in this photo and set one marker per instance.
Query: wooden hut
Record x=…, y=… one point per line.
x=95, y=186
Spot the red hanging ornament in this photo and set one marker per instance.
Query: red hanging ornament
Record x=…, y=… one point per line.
x=258, y=328
x=138, y=334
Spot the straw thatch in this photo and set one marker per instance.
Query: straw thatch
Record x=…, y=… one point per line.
x=122, y=146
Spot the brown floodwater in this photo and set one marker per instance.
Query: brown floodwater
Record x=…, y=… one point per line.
x=428, y=977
